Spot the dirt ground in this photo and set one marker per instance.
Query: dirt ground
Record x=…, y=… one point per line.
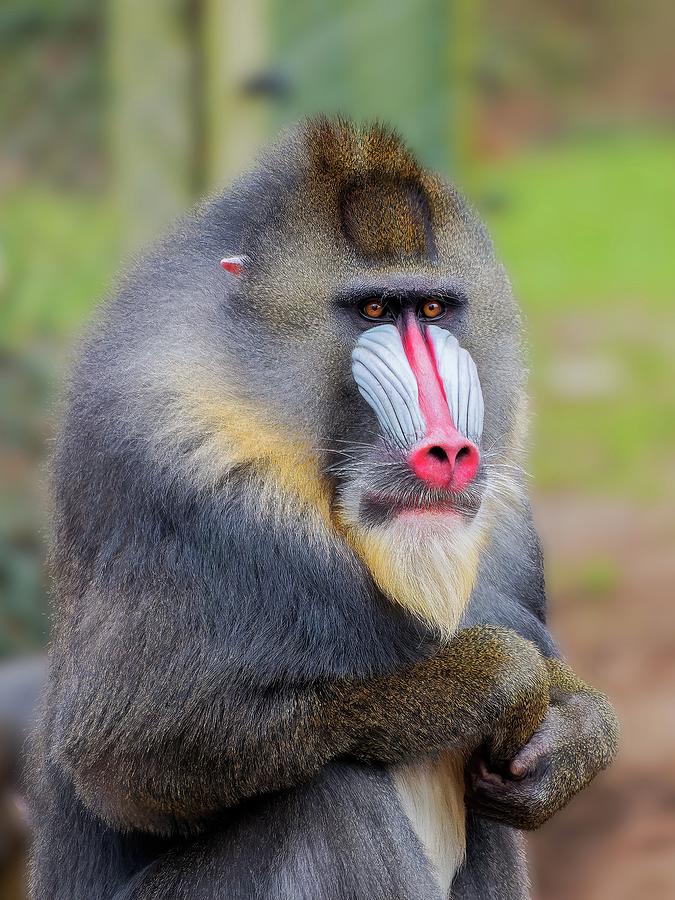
x=617, y=839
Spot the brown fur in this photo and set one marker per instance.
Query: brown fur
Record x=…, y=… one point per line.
x=376, y=192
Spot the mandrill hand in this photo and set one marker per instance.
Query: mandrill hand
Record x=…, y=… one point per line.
x=577, y=738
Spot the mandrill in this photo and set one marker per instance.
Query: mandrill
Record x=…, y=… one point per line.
x=299, y=647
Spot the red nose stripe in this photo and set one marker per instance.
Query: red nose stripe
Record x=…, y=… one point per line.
x=432, y=399
x=443, y=458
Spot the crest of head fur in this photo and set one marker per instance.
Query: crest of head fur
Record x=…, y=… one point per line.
x=383, y=202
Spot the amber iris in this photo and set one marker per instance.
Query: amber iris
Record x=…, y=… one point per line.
x=372, y=309
x=432, y=309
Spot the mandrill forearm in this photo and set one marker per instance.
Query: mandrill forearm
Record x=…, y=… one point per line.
x=235, y=744
x=591, y=722
x=589, y=734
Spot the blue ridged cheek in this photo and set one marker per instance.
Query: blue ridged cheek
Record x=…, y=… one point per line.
x=387, y=383
x=461, y=383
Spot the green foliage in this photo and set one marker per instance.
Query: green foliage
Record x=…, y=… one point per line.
x=56, y=255
x=588, y=223
x=25, y=395
x=386, y=59
x=57, y=252
x=52, y=75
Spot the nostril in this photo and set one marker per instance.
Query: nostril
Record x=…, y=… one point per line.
x=462, y=454
x=439, y=454
x=467, y=461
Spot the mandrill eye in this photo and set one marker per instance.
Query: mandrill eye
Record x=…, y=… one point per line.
x=372, y=309
x=432, y=309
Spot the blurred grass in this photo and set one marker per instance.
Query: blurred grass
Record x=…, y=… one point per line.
x=57, y=254
x=589, y=221
x=586, y=230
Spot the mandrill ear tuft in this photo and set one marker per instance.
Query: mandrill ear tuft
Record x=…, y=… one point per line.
x=235, y=265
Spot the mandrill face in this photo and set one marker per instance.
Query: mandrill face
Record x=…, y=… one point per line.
x=413, y=453
x=424, y=390
x=412, y=475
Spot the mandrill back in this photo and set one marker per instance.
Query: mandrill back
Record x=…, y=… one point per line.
x=258, y=686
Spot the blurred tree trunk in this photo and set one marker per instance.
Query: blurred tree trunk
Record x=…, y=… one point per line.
x=386, y=60
x=182, y=73
x=235, y=49
x=152, y=114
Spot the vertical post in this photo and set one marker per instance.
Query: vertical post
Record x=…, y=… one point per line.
x=465, y=17
x=151, y=114
x=389, y=60
x=235, y=48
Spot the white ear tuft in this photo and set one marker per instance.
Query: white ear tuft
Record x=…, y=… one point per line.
x=235, y=265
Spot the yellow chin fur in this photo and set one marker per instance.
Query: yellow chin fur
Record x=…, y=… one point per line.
x=230, y=435
x=427, y=564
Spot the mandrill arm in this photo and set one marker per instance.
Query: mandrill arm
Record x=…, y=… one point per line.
x=187, y=743
x=579, y=734
x=207, y=651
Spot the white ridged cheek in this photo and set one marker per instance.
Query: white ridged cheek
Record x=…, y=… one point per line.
x=461, y=383
x=386, y=381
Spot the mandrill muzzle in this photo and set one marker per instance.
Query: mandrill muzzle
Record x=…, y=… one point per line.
x=424, y=389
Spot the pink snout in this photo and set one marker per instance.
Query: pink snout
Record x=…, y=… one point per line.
x=446, y=461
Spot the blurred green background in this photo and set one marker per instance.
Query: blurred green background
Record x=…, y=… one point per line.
x=555, y=117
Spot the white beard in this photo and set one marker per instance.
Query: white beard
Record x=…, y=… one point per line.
x=426, y=562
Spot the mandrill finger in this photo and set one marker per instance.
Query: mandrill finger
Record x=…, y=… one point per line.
x=550, y=734
x=522, y=804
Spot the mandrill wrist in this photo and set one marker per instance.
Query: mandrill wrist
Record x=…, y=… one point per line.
x=591, y=720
